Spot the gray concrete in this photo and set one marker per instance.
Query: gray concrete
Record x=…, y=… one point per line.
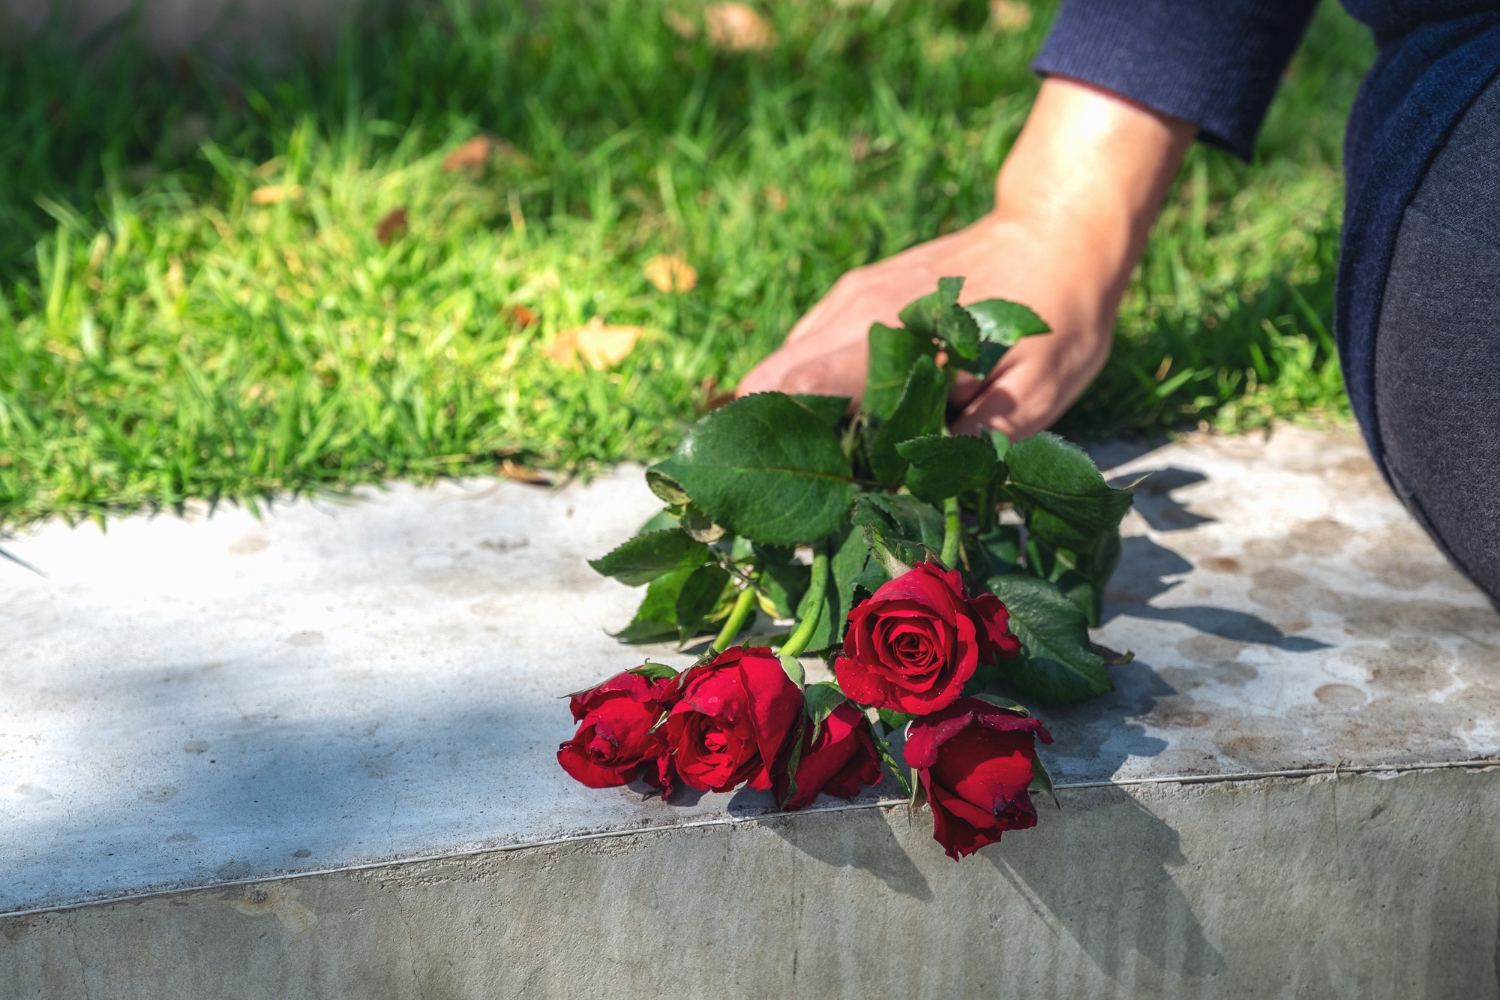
x=312, y=756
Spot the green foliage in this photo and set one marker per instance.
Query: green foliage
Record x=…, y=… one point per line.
x=164, y=337
x=650, y=554
x=943, y=467
x=893, y=351
x=1056, y=664
x=767, y=468
x=918, y=413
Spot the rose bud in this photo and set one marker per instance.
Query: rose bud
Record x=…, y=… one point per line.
x=615, y=734
x=839, y=761
x=914, y=643
x=976, y=761
x=734, y=721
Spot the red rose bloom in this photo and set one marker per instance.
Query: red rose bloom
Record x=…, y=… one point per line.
x=733, y=721
x=917, y=640
x=839, y=761
x=975, y=761
x=615, y=735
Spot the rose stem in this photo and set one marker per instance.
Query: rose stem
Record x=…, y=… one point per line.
x=737, y=616
x=951, y=533
x=815, y=594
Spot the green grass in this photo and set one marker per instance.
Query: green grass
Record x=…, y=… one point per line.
x=163, y=337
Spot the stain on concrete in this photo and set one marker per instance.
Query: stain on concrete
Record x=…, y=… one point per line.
x=158, y=793
x=1340, y=696
x=310, y=638
x=248, y=546
x=183, y=837
x=196, y=746
x=279, y=901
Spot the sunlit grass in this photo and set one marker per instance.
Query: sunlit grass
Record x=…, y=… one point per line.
x=166, y=333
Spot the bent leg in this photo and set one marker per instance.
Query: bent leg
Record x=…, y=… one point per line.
x=1437, y=352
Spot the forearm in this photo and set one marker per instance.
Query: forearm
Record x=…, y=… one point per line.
x=1088, y=175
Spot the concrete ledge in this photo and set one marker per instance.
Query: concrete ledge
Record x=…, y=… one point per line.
x=1328, y=886
x=313, y=756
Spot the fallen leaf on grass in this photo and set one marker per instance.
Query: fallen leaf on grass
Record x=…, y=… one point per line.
x=391, y=226
x=520, y=315
x=597, y=345
x=682, y=25
x=1010, y=15
x=472, y=155
x=511, y=469
x=735, y=27
x=273, y=194
x=670, y=273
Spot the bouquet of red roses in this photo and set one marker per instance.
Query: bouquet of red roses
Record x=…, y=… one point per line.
x=947, y=576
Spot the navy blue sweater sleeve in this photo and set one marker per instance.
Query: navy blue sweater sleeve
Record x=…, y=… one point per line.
x=1214, y=63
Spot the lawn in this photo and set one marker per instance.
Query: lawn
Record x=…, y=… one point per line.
x=207, y=289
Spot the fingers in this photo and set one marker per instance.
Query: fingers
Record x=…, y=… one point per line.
x=1033, y=386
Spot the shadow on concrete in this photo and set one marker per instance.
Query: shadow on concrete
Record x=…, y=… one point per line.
x=1145, y=569
x=869, y=847
x=1154, y=501
x=1114, y=903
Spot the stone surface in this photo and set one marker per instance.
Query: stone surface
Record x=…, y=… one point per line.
x=343, y=718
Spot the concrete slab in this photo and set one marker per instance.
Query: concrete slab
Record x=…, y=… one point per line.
x=343, y=716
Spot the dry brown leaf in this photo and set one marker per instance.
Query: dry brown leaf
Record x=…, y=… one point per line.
x=596, y=345
x=273, y=194
x=472, y=155
x=681, y=25
x=511, y=469
x=391, y=226
x=670, y=273
x=736, y=27
x=521, y=316
x=775, y=197
x=1010, y=15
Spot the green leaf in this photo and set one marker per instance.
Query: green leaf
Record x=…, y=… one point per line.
x=820, y=700
x=893, y=720
x=919, y=412
x=893, y=352
x=846, y=563
x=1056, y=664
x=793, y=668
x=766, y=467
x=654, y=671
x=699, y=598
x=1001, y=324
x=1002, y=702
x=656, y=619
x=899, y=530
x=1062, y=493
x=939, y=315
x=943, y=467
x=646, y=557
x=1002, y=544
x=1082, y=576
x=666, y=488
x=699, y=526
x=1041, y=781
x=783, y=585
x=829, y=409
x=897, y=771
x=660, y=521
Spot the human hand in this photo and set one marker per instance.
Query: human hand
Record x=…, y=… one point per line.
x=1073, y=205
x=999, y=258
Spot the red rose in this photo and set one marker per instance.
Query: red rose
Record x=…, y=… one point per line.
x=615, y=734
x=975, y=760
x=839, y=761
x=733, y=721
x=917, y=640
